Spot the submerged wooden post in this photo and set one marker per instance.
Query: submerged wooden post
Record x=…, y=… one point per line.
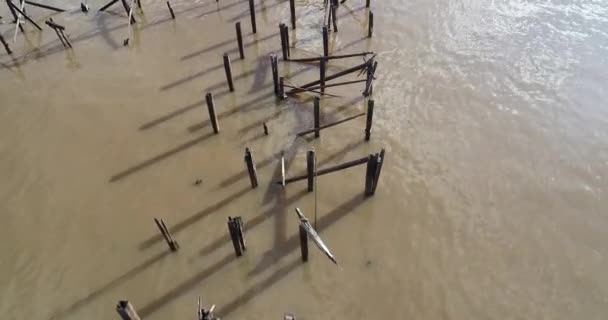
x=239, y=39
x=253, y=176
x=325, y=41
x=292, y=10
x=173, y=245
x=380, y=160
x=284, y=43
x=322, y=66
x=274, y=67
x=252, y=13
x=310, y=169
x=171, y=10
x=212, y=114
x=228, y=69
x=6, y=47
x=370, y=118
x=316, y=112
x=126, y=310
x=303, y=243
x=370, y=27
x=234, y=236
x=370, y=174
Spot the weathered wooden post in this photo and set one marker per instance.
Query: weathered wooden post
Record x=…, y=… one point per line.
x=252, y=13
x=239, y=39
x=212, y=114
x=322, y=65
x=370, y=174
x=292, y=10
x=274, y=67
x=281, y=88
x=367, y=3
x=228, y=69
x=370, y=27
x=317, y=102
x=171, y=10
x=173, y=245
x=370, y=117
x=380, y=159
x=236, y=235
x=284, y=44
x=253, y=177
x=126, y=310
x=325, y=41
x=334, y=17
x=6, y=47
x=303, y=243
x=310, y=169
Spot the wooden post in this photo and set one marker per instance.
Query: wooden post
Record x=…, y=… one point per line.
x=252, y=13
x=370, y=117
x=367, y=3
x=284, y=44
x=281, y=88
x=282, y=168
x=228, y=69
x=239, y=39
x=370, y=174
x=292, y=10
x=239, y=231
x=253, y=177
x=370, y=28
x=322, y=74
x=126, y=310
x=274, y=66
x=310, y=169
x=6, y=47
x=316, y=112
x=325, y=41
x=334, y=17
x=303, y=243
x=287, y=41
x=173, y=245
x=139, y=4
x=378, y=169
x=234, y=236
x=212, y=114
x=171, y=10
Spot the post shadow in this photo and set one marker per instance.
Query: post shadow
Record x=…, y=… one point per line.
x=171, y=115
x=243, y=173
x=223, y=43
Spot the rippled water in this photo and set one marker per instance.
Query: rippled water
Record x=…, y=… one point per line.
x=490, y=205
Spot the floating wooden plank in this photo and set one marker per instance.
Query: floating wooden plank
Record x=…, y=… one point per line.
x=312, y=234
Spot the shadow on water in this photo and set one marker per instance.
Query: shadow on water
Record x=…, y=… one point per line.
x=171, y=115
x=223, y=43
x=244, y=174
x=160, y=157
x=194, y=218
x=113, y=284
x=185, y=286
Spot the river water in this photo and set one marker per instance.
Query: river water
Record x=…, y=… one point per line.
x=491, y=203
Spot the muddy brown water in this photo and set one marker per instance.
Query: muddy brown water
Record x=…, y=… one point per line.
x=491, y=203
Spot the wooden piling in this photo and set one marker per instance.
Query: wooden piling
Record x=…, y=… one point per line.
x=234, y=236
x=287, y=41
x=310, y=169
x=378, y=170
x=25, y=16
x=334, y=17
x=240, y=233
x=322, y=66
x=171, y=10
x=303, y=243
x=252, y=13
x=284, y=44
x=367, y=2
x=5, y=44
x=228, y=69
x=317, y=112
x=370, y=174
x=292, y=10
x=370, y=26
x=212, y=114
x=173, y=245
x=274, y=67
x=44, y=6
x=239, y=39
x=281, y=88
x=139, y=5
x=325, y=41
x=370, y=118
x=253, y=177
x=126, y=310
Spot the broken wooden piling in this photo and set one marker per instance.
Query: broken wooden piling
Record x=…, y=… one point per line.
x=126, y=310
x=335, y=123
x=252, y=13
x=322, y=66
x=316, y=113
x=303, y=243
x=370, y=173
x=334, y=17
x=297, y=89
x=292, y=10
x=173, y=245
x=370, y=26
x=284, y=43
x=274, y=67
x=235, y=228
x=281, y=88
x=17, y=9
x=109, y=4
x=369, y=120
x=325, y=41
x=44, y=6
x=380, y=160
x=340, y=74
x=310, y=169
x=228, y=69
x=251, y=170
x=239, y=39
x=212, y=114
x=171, y=10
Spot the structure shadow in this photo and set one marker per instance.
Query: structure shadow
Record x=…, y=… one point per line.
x=223, y=43
x=243, y=173
x=194, y=218
x=221, y=8
x=113, y=284
x=143, y=165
